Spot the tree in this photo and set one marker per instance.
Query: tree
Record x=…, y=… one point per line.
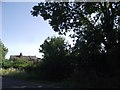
x=53, y=47
x=54, y=65
x=94, y=25
x=3, y=51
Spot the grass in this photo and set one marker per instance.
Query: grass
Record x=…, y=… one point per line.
x=82, y=82
x=16, y=73
x=20, y=74
x=8, y=71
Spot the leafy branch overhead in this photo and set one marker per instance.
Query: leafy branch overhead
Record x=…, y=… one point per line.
x=95, y=24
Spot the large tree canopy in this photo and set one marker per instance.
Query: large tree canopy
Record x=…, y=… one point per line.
x=95, y=25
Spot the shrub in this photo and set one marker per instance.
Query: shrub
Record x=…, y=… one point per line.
x=54, y=70
x=21, y=63
x=7, y=63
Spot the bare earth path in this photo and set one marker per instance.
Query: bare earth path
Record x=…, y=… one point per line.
x=17, y=83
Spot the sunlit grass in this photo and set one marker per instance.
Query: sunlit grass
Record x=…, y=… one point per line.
x=4, y=72
x=16, y=73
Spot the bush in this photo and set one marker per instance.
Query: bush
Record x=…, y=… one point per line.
x=7, y=64
x=21, y=63
x=55, y=69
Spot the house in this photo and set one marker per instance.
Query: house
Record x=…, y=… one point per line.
x=30, y=58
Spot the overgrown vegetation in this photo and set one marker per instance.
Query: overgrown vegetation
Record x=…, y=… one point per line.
x=54, y=65
x=3, y=52
x=7, y=64
x=95, y=28
x=94, y=58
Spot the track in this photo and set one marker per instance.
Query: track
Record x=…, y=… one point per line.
x=17, y=83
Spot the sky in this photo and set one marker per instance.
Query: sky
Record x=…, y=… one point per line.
x=21, y=32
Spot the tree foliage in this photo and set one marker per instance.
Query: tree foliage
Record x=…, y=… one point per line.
x=7, y=64
x=54, y=65
x=54, y=47
x=3, y=51
x=94, y=25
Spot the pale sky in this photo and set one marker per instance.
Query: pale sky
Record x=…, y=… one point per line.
x=21, y=32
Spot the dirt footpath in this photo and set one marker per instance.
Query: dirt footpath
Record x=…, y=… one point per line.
x=17, y=83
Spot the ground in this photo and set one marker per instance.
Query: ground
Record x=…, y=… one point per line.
x=18, y=83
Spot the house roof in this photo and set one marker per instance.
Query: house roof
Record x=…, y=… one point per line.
x=30, y=57
x=21, y=56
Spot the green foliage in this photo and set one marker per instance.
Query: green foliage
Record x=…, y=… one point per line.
x=54, y=65
x=95, y=27
x=54, y=47
x=93, y=23
x=18, y=63
x=3, y=51
x=7, y=63
x=21, y=63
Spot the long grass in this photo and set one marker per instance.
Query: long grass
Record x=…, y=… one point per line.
x=4, y=72
x=16, y=73
x=20, y=74
x=99, y=82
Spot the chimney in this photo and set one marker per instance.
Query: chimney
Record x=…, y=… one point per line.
x=20, y=54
